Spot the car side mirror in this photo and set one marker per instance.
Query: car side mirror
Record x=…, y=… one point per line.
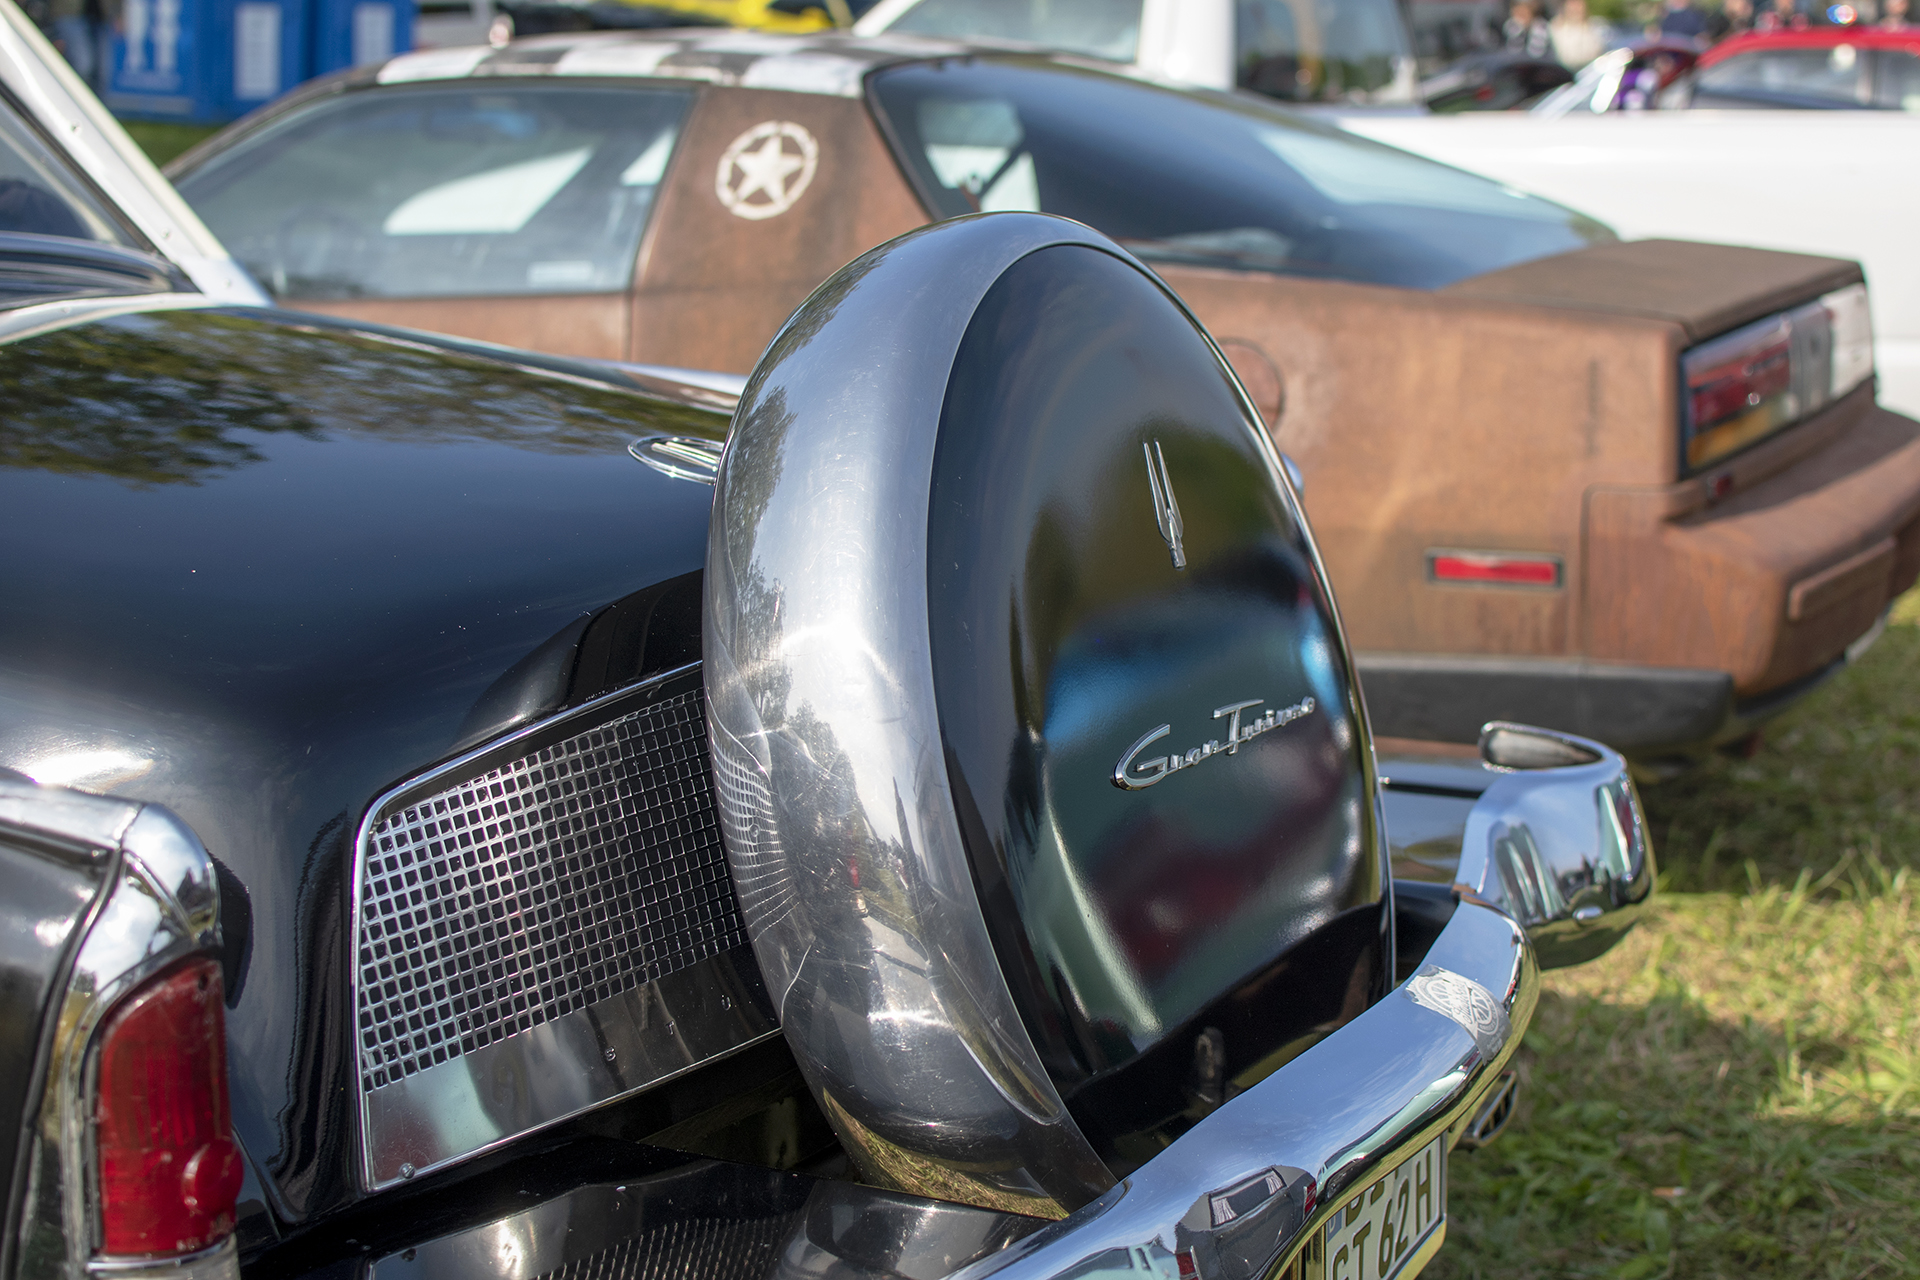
x=1558, y=841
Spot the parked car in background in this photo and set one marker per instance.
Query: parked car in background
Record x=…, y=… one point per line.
x=468, y=812
x=1302, y=51
x=1821, y=68
x=1630, y=78
x=1666, y=563
x=1499, y=81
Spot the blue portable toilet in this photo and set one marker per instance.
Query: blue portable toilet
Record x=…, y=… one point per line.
x=359, y=33
x=206, y=61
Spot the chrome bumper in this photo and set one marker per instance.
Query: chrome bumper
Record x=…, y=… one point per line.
x=1415, y=1066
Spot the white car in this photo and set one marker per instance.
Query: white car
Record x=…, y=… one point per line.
x=1350, y=51
x=1821, y=182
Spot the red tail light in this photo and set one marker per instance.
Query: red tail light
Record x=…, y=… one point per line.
x=169, y=1169
x=1746, y=385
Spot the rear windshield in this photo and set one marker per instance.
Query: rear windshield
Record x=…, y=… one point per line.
x=1102, y=28
x=445, y=190
x=1207, y=178
x=1835, y=77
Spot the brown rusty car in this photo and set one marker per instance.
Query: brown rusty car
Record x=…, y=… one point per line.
x=1641, y=491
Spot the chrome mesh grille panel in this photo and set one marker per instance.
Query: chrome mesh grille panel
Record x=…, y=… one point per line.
x=710, y=1248
x=571, y=874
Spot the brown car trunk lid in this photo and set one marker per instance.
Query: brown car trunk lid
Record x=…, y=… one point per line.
x=1706, y=289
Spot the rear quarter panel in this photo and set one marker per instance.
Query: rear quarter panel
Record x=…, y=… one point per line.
x=1425, y=421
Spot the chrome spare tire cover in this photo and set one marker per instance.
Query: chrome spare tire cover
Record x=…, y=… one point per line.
x=1040, y=763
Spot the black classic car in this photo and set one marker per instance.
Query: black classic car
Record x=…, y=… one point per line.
x=473, y=813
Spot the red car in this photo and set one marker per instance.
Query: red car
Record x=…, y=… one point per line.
x=1849, y=67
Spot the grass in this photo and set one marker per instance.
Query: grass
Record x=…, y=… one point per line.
x=1735, y=1090
x=163, y=140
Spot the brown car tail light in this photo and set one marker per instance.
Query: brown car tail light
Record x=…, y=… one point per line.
x=1494, y=568
x=169, y=1169
x=1745, y=385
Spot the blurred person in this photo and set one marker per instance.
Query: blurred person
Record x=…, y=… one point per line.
x=1578, y=38
x=1895, y=17
x=1737, y=15
x=1683, y=20
x=1781, y=15
x=83, y=31
x=1526, y=32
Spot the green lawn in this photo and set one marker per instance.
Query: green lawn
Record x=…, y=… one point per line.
x=1735, y=1090
x=162, y=141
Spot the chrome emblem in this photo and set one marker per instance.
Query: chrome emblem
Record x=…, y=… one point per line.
x=1134, y=774
x=1166, y=510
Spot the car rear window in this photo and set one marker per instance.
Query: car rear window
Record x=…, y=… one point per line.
x=444, y=190
x=1207, y=178
x=1835, y=77
x=1896, y=80
x=1101, y=28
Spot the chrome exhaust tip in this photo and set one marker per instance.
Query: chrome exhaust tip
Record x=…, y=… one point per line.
x=1493, y=1114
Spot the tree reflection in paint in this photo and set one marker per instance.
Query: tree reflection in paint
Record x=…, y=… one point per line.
x=184, y=397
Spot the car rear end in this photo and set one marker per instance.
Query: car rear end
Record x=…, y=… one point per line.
x=1639, y=491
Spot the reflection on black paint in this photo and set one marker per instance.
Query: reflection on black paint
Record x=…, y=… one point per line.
x=1125, y=919
x=182, y=397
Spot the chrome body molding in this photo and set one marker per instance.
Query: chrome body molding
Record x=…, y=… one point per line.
x=827, y=740
x=1356, y=1105
x=476, y=1097
x=1558, y=841
x=221, y=1262
x=45, y=317
x=159, y=906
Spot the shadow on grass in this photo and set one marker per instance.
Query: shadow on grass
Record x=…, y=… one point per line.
x=1833, y=790
x=1653, y=1139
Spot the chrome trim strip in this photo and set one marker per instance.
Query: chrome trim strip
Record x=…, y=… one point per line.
x=719, y=1004
x=1352, y=1107
x=221, y=1262
x=571, y=1064
x=161, y=905
x=46, y=317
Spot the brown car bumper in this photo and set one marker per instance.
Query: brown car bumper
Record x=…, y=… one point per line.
x=1772, y=584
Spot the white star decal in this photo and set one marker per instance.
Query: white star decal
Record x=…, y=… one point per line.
x=760, y=176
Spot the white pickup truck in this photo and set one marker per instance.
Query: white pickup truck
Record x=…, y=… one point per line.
x=1840, y=183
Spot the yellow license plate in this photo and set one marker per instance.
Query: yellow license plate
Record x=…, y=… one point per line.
x=1393, y=1226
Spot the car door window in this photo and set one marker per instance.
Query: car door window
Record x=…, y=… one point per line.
x=1835, y=77
x=445, y=190
x=1318, y=50
x=1102, y=28
x=1896, y=80
x=1205, y=178
x=38, y=193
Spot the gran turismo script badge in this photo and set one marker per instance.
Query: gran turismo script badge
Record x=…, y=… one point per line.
x=1135, y=774
x=765, y=169
x=1165, y=509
